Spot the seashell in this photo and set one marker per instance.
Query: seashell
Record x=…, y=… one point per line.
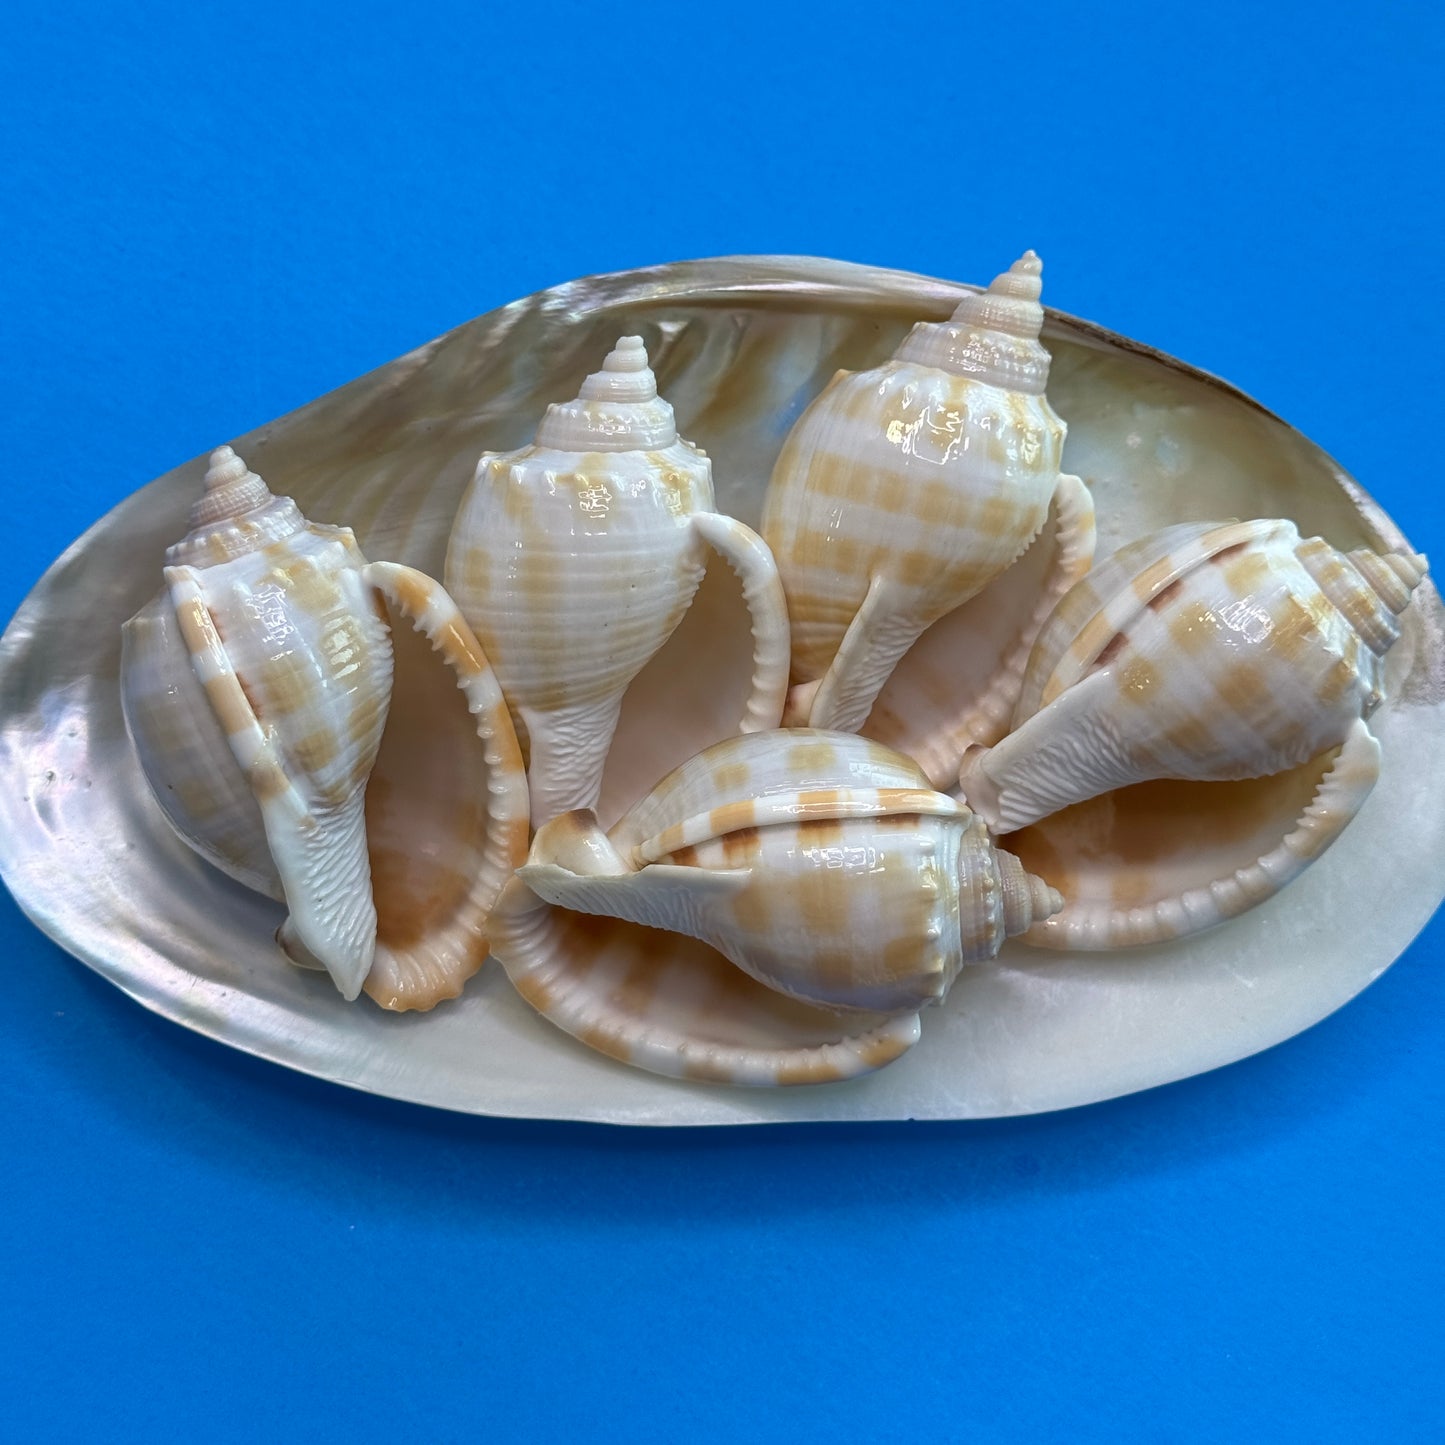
x=904, y=490
x=820, y=864
x=257, y=691
x=740, y=346
x=575, y=559
x=294, y=657
x=1205, y=652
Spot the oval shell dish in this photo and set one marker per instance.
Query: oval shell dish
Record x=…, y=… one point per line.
x=740, y=346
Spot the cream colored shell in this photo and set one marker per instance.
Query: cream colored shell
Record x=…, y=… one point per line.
x=821, y=864
x=575, y=559
x=902, y=491
x=1204, y=652
x=257, y=691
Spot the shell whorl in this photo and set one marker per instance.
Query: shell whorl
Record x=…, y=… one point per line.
x=1011, y=303
x=997, y=897
x=237, y=513
x=993, y=335
x=1027, y=899
x=1368, y=588
x=232, y=489
x=616, y=410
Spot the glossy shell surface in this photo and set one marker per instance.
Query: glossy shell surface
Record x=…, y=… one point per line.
x=903, y=490
x=739, y=346
x=1204, y=653
x=820, y=865
x=575, y=558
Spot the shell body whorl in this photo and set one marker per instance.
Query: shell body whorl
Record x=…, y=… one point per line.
x=933, y=481
x=575, y=558
x=575, y=569
x=184, y=752
x=310, y=649
x=903, y=491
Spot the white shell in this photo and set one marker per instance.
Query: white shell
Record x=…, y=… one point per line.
x=740, y=346
x=1206, y=652
x=819, y=864
x=904, y=490
x=575, y=558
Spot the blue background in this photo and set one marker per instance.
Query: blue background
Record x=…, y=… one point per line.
x=211, y=216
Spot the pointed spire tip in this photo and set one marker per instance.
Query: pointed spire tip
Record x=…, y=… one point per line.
x=224, y=468
x=230, y=488
x=1047, y=900
x=630, y=354
x=631, y=416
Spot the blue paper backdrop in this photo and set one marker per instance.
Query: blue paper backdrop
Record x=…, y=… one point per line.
x=214, y=214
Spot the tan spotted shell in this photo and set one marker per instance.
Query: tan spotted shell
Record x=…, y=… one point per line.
x=843, y=891
x=258, y=691
x=902, y=491
x=1206, y=652
x=575, y=559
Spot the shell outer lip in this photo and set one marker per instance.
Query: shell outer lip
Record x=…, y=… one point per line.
x=1343, y=790
x=420, y=601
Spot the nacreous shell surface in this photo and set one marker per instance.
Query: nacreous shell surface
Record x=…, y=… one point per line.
x=739, y=346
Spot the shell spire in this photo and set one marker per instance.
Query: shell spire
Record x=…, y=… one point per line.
x=235, y=514
x=232, y=489
x=616, y=410
x=1371, y=589
x=1011, y=303
x=993, y=334
x=625, y=374
x=1393, y=576
x=1027, y=899
x=998, y=897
